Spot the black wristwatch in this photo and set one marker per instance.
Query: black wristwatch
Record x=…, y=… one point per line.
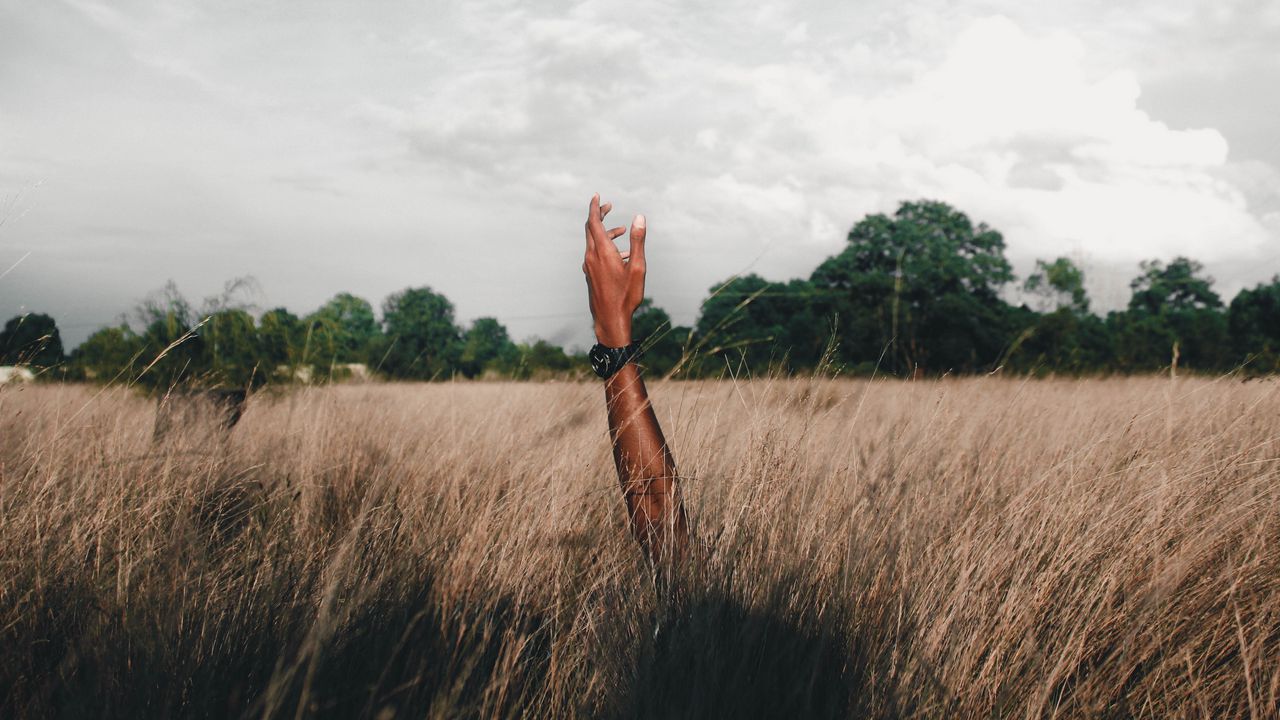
x=606, y=360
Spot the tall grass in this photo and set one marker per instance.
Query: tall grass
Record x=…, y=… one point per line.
x=959, y=548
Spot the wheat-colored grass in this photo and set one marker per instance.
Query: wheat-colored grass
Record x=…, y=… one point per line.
x=960, y=548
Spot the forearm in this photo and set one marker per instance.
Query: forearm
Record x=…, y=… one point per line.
x=615, y=288
x=645, y=466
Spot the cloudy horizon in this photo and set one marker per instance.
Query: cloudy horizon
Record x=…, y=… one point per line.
x=341, y=147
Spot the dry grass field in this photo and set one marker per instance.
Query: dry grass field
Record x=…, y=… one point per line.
x=939, y=549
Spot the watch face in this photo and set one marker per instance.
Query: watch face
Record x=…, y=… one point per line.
x=606, y=361
x=600, y=360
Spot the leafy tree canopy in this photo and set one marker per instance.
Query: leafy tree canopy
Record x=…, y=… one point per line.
x=31, y=339
x=765, y=324
x=108, y=354
x=172, y=348
x=1176, y=286
x=539, y=359
x=1058, y=284
x=1254, y=325
x=927, y=244
x=231, y=344
x=342, y=330
x=422, y=341
x=1173, y=313
x=281, y=339
x=662, y=344
x=485, y=345
x=919, y=289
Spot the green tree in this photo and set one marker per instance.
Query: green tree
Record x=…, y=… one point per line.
x=1059, y=284
x=231, y=347
x=767, y=325
x=661, y=343
x=32, y=339
x=1176, y=286
x=215, y=345
x=1067, y=337
x=1173, y=307
x=486, y=345
x=540, y=360
x=109, y=354
x=343, y=330
x=919, y=289
x=281, y=340
x=1253, y=320
x=1064, y=340
x=173, y=350
x=422, y=341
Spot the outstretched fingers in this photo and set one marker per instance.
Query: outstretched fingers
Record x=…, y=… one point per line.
x=596, y=234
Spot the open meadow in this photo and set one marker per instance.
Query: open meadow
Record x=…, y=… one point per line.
x=979, y=547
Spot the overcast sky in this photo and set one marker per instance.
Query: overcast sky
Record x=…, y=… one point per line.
x=366, y=147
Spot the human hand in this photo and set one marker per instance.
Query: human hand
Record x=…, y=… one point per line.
x=615, y=280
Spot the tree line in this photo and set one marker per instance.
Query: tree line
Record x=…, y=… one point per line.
x=921, y=291
x=170, y=341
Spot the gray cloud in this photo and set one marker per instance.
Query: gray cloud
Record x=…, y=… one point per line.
x=335, y=146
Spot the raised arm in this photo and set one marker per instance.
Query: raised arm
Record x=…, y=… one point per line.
x=646, y=469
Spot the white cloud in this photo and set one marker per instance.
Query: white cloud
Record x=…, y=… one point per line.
x=1128, y=187
x=1011, y=127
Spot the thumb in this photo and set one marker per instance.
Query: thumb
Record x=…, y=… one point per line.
x=635, y=266
x=637, y=243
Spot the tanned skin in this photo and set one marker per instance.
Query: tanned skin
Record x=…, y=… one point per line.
x=646, y=469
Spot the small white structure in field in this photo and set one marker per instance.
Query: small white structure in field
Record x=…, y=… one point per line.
x=10, y=373
x=340, y=372
x=300, y=373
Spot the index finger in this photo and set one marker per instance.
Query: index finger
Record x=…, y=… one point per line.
x=594, y=224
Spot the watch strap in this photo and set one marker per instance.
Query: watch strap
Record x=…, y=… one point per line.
x=606, y=361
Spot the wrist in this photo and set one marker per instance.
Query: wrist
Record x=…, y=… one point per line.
x=615, y=336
